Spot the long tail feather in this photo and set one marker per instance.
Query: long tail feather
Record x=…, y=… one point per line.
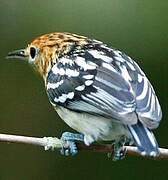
x=144, y=139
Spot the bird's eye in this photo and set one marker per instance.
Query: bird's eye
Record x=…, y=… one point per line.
x=32, y=52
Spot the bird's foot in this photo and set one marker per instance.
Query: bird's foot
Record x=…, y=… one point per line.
x=119, y=151
x=69, y=140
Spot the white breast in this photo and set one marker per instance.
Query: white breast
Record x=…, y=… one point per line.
x=94, y=128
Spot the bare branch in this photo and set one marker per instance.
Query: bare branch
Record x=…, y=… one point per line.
x=55, y=143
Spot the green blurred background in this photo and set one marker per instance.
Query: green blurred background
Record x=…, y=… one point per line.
x=138, y=27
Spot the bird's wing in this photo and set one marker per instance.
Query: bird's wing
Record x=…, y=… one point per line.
x=148, y=108
x=147, y=105
x=104, y=81
x=94, y=85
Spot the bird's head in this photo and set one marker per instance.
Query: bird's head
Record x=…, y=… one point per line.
x=45, y=50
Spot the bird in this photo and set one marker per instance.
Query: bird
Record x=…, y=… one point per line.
x=99, y=91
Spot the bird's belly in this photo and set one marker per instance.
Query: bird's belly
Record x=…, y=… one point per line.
x=94, y=128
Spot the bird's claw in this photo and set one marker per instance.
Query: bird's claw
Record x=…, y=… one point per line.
x=69, y=147
x=119, y=151
x=119, y=154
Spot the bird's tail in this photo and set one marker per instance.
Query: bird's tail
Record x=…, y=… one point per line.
x=144, y=139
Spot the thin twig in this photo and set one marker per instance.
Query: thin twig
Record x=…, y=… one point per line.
x=55, y=143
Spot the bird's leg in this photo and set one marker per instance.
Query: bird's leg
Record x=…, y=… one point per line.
x=119, y=152
x=70, y=147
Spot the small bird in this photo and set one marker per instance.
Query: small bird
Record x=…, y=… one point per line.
x=98, y=91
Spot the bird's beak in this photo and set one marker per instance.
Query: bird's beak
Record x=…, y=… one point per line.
x=17, y=54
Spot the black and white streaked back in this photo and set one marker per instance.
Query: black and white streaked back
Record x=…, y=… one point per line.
x=105, y=82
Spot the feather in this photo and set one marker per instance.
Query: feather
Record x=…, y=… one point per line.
x=104, y=82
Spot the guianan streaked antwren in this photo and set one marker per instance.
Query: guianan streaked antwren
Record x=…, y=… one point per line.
x=97, y=90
